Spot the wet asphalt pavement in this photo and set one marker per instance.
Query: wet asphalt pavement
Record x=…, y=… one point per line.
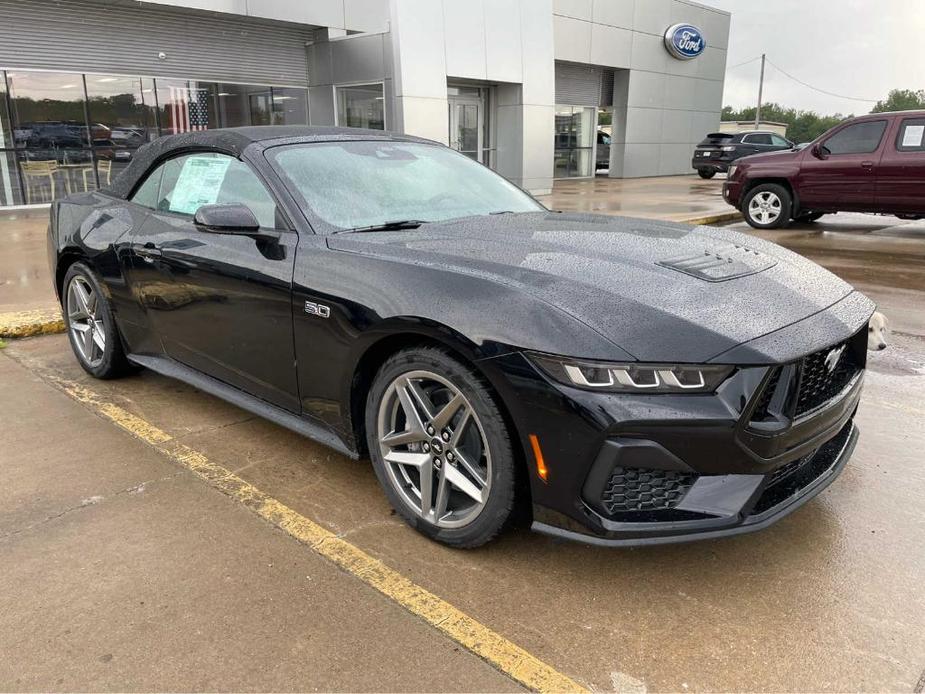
x=832, y=598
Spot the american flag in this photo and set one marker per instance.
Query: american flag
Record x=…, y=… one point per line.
x=188, y=109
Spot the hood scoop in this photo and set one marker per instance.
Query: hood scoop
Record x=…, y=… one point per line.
x=720, y=263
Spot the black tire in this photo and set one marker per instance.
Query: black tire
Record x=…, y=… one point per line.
x=706, y=173
x=768, y=192
x=498, y=506
x=112, y=363
x=808, y=217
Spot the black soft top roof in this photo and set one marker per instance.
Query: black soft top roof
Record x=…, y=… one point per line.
x=234, y=141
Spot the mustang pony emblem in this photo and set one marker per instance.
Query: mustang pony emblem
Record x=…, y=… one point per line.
x=831, y=359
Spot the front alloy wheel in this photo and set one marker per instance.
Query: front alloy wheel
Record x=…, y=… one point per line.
x=435, y=449
x=767, y=206
x=440, y=447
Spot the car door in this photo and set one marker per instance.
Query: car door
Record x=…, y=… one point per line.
x=755, y=143
x=840, y=172
x=901, y=180
x=220, y=303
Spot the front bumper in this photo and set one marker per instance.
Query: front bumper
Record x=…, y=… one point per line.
x=732, y=192
x=759, y=503
x=627, y=469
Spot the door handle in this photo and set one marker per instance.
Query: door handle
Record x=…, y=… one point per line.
x=867, y=165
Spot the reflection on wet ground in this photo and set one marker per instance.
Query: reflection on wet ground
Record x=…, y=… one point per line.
x=673, y=198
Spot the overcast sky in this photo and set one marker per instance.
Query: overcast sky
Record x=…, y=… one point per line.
x=857, y=48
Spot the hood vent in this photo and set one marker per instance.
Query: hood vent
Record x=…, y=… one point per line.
x=721, y=263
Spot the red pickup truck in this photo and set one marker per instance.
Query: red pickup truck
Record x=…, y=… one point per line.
x=873, y=163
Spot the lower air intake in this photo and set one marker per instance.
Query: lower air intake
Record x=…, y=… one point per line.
x=638, y=489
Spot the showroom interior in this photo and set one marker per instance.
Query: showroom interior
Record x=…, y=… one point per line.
x=536, y=89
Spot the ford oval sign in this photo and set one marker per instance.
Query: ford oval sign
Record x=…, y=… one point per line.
x=684, y=41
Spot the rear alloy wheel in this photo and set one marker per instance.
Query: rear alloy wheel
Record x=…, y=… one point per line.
x=767, y=206
x=706, y=173
x=90, y=325
x=440, y=447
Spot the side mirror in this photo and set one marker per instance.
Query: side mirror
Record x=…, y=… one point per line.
x=231, y=218
x=818, y=151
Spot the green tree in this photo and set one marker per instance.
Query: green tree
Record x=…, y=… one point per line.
x=802, y=126
x=901, y=100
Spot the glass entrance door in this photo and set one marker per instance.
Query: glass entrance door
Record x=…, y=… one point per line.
x=574, y=146
x=466, y=126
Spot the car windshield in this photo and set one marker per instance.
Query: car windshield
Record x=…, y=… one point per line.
x=371, y=183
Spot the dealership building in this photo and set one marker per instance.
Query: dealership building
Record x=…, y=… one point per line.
x=535, y=89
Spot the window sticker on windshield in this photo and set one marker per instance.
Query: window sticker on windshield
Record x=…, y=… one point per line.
x=199, y=183
x=912, y=135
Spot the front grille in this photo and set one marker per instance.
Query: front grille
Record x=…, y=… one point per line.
x=794, y=477
x=637, y=489
x=820, y=381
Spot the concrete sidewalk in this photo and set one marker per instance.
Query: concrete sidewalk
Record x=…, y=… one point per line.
x=122, y=572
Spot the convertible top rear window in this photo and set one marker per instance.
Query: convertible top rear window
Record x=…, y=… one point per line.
x=366, y=183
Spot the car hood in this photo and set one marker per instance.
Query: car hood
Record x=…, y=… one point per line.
x=658, y=290
x=779, y=156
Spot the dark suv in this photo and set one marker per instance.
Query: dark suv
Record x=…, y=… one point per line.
x=719, y=150
x=873, y=163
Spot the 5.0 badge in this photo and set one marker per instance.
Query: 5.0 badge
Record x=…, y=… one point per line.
x=319, y=310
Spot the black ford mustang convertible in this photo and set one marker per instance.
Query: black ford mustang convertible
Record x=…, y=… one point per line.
x=628, y=381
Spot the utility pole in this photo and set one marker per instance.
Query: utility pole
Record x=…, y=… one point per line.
x=760, y=89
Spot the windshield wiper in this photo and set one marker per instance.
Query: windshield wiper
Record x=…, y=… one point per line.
x=394, y=225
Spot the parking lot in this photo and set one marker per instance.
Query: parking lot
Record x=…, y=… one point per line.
x=132, y=566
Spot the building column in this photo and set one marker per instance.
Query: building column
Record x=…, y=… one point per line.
x=419, y=69
x=621, y=82
x=524, y=111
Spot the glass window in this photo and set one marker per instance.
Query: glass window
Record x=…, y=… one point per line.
x=185, y=105
x=10, y=193
x=185, y=183
x=48, y=110
x=361, y=106
x=758, y=139
x=779, y=141
x=290, y=106
x=351, y=184
x=911, y=136
x=858, y=138
x=573, y=140
x=146, y=194
x=232, y=105
x=6, y=132
x=472, y=92
x=122, y=119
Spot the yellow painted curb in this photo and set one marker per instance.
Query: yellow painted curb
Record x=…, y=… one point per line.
x=42, y=321
x=733, y=216
x=502, y=654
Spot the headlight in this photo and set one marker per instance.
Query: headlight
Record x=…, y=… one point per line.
x=729, y=148
x=633, y=378
x=731, y=172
